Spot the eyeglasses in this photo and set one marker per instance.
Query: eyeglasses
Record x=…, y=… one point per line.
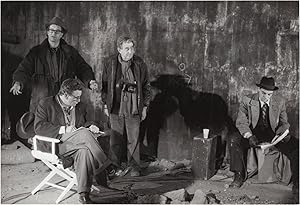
x=54, y=31
x=76, y=97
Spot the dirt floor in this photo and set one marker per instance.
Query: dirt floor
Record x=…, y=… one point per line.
x=17, y=182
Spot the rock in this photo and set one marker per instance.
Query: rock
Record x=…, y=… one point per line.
x=245, y=198
x=166, y=165
x=212, y=199
x=164, y=200
x=199, y=198
x=185, y=162
x=177, y=195
x=253, y=197
x=177, y=166
x=148, y=199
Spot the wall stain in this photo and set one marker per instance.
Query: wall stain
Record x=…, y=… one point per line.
x=221, y=47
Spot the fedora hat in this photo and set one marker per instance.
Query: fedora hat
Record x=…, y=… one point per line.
x=57, y=21
x=267, y=83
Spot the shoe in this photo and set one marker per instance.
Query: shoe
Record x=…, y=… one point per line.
x=238, y=181
x=112, y=171
x=114, y=174
x=126, y=171
x=85, y=199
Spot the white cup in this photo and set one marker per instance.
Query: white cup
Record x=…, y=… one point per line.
x=205, y=133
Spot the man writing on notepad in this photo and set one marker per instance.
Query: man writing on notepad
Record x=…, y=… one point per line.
x=64, y=117
x=262, y=116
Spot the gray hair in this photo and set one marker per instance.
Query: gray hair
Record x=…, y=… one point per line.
x=123, y=39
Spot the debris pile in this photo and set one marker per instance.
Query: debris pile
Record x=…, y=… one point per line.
x=169, y=167
x=180, y=196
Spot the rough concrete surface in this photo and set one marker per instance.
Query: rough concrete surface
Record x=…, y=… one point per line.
x=17, y=181
x=221, y=47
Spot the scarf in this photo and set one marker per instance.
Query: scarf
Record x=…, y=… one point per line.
x=128, y=104
x=69, y=112
x=54, y=61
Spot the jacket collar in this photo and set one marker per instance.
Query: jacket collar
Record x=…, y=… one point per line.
x=254, y=100
x=60, y=114
x=63, y=45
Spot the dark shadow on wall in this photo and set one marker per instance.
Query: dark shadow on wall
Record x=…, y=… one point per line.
x=12, y=106
x=199, y=110
x=292, y=109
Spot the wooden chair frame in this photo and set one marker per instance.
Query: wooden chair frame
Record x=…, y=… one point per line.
x=53, y=162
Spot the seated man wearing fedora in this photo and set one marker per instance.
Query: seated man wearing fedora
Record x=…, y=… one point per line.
x=261, y=117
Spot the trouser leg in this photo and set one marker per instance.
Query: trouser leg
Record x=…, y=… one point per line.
x=84, y=139
x=291, y=150
x=237, y=147
x=132, y=128
x=116, y=139
x=83, y=170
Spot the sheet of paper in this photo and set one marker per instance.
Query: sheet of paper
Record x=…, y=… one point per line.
x=274, y=141
x=79, y=128
x=277, y=138
x=98, y=134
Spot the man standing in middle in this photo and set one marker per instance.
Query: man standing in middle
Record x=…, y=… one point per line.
x=126, y=96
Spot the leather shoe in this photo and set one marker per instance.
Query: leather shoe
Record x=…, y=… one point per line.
x=114, y=174
x=238, y=180
x=85, y=199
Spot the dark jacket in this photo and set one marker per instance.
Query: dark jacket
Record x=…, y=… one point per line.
x=49, y=117
x=34, y=69
x=141, y=76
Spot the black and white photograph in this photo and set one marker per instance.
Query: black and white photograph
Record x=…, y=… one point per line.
x=149, y=102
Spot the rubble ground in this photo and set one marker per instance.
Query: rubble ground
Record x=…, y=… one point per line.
x=163, y=182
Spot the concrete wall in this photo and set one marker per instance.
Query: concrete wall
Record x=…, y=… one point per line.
x=222, y=47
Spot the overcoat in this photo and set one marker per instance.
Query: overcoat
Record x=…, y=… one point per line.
x=35, y=69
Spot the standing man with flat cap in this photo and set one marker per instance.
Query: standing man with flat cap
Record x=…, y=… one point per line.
x=261, y=117
x=47, y=65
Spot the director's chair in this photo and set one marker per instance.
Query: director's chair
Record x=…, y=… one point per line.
x=55, y=164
